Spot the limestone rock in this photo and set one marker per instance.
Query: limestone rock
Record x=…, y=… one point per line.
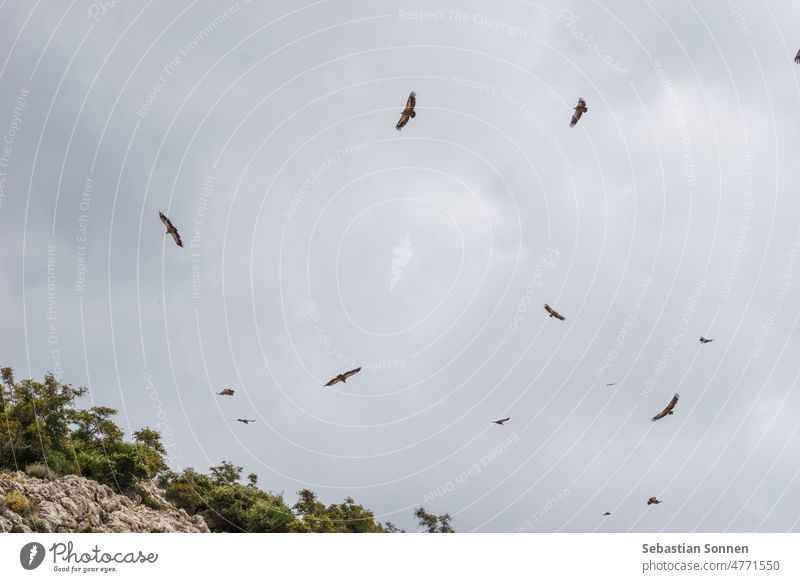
x=75, y=504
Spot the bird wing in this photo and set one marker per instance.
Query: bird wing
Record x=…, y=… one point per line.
x=410, y=103
x=171, y=229
x=667, y=408
x=176, y=237
x=353, y=372
x=576, y=116
x=797, y=58
x=333, y=381
x=408, y=111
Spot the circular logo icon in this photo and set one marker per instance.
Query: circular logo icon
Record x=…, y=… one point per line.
x=31, y=555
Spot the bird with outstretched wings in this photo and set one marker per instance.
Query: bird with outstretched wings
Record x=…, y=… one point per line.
x=171, y=230
x=606, y=513
x=343, y=377
x=502, y=421
x=653, y=501
x=797, y=58
x=667, y=409
x=706, y=340
x=610, y=385
x=580, y=109
x=245, y=420
x=408, y=112
x=226, y=392
x=553, y=312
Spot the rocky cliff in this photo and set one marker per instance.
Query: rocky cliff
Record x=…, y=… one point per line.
x=76, y=504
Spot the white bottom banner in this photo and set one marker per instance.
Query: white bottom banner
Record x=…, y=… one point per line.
x=353, y=557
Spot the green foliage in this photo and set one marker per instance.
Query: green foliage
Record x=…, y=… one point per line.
x=18, y=503
x=347, y=517
x=48, y=434
x=41, y=471
x=434, y=523
x=45, y=429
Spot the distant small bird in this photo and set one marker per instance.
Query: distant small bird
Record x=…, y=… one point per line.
x=609, y=385
x=579, y=110
x=653, y=501
x=668, y=409
x=797, y=58
x=343, y=377
x=226, y=392
x=606, y=513
x=553, y=312
x=502, y=421
x=171, y=229
x=245, y=420
x=706, y=340
x=408, y=112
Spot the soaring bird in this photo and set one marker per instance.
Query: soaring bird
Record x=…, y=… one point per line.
x=653, y=501
x=610, y=385
x=343, y=377
x=668, y=409
x=171, y=229
x=797, y=58
x=408, y=112
x=579, y=110
x=502, y=421
x=706, y=340
x=553, y=312
x=226, y=392
x=245, y=420
x=606, y=513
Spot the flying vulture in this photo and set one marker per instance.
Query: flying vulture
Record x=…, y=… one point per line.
x=408, y=112
x=668, y=409
x=606, y=513
x=579, y=110
x=502, y=421
x=343, y=377
x=226, y=392
x=705, y=340
x=797, y=58
x=245, y=420
x=653, y=501
x=553, y=312
x=171, y=229
x=610, y=385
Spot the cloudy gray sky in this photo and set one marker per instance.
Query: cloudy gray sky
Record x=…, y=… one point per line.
x=318, y=238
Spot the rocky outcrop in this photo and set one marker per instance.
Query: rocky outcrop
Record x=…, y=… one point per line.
x=75, y=504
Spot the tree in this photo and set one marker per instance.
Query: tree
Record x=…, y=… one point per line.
x=433, y=523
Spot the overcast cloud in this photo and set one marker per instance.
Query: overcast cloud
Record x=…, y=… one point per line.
x=317, y=238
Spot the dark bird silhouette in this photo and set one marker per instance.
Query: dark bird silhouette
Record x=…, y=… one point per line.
x=606, y=513
x=171, y=229
x=609, y=385
x=226, y=392
x=579, y=110
x=553, y=312
x=653, y=501
x=706, y=340
x=502, y=421
x=408, y=112
x=245, y=420
x=343, y=377
x=668, y=409
x=797, y=58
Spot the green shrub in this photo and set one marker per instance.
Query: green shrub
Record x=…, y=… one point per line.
x=41, y=471
x=18, y=503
